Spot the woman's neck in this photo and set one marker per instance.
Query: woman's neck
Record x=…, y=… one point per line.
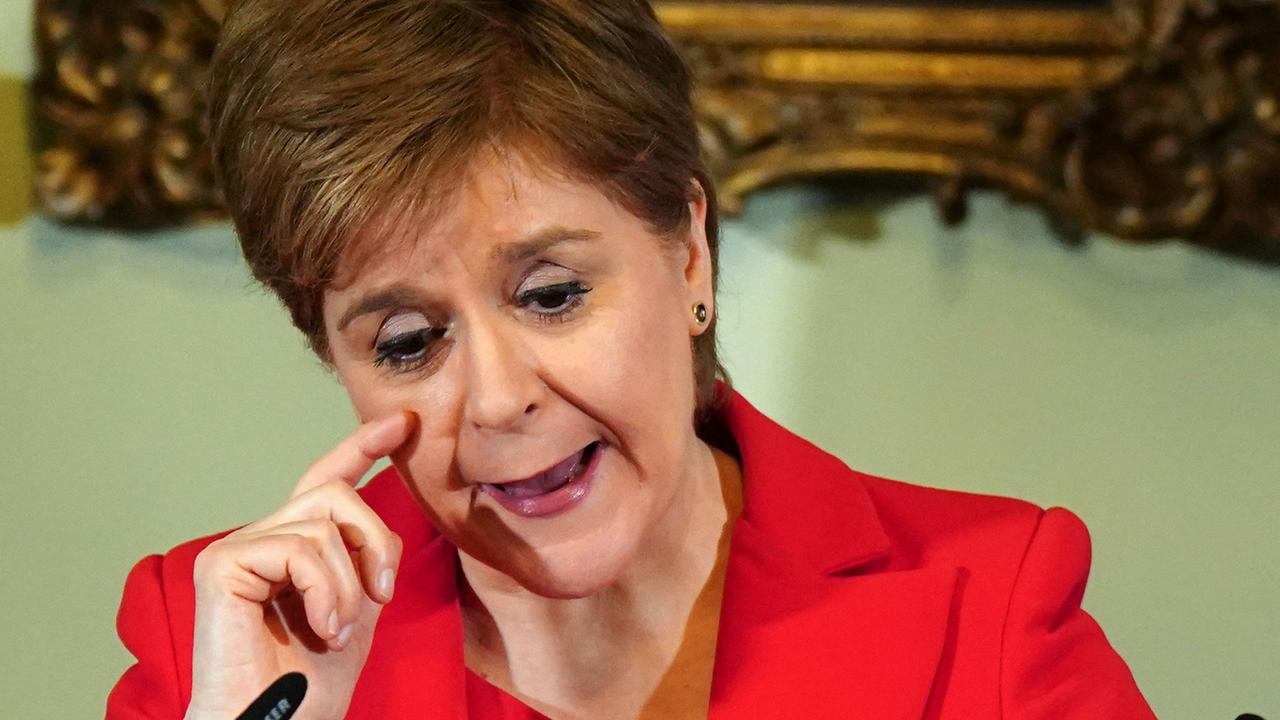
x=610, y=651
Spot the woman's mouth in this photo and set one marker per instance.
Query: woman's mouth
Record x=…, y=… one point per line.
x=553, y=490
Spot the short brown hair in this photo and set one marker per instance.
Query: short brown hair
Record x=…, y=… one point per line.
x=323, y=111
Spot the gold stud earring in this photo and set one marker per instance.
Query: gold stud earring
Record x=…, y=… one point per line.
x=700, y=313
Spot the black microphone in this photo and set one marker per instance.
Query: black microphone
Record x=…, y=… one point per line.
x=280, y=701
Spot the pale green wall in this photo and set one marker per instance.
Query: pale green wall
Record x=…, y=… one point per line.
x=150, y=394
x=16, y=19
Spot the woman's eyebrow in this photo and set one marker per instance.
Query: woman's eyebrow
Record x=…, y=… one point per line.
x=392, y=296
x=511, y=252
x=527, y=247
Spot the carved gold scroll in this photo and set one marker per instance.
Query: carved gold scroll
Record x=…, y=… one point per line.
x=1146, y=119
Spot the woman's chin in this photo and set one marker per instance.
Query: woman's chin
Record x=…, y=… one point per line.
x=567, y=561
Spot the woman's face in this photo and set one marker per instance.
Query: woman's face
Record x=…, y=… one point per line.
x=533, y=325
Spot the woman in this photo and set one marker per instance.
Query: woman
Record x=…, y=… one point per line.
x=491, y=221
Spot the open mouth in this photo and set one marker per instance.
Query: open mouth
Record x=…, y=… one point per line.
x=550, y=480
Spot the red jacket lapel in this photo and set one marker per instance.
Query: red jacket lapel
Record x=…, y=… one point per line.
x=808, y=628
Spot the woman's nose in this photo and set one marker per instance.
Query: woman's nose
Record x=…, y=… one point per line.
x=504, y=389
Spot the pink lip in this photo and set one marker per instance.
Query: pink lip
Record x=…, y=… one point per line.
x=556, y=501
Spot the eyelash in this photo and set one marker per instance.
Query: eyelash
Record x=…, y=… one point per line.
x=574, y=293
x=574, y=296
x=403, y=345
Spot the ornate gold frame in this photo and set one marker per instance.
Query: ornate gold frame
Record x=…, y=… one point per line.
x=1145, y=119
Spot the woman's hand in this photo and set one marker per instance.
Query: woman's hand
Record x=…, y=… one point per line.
x=299, y=590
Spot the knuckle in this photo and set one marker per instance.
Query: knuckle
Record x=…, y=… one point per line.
x=206, y=560
x=295, y=544
x=216, y=552
x=328, y=532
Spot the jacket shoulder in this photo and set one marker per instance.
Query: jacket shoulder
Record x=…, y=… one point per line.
x=1023, y=571
x=928, y=525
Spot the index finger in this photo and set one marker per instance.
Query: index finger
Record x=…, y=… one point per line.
x=350, y=459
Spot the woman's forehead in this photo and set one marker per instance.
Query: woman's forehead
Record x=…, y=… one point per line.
x=498, y=210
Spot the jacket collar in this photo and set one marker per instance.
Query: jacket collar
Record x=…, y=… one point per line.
x=811, y=625
x=812, y=510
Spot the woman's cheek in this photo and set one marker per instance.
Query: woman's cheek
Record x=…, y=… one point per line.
x=425, y=465
x=429, y=456
x=618, y=351
x=650, y=344
x=372, y=395
x=425, y=459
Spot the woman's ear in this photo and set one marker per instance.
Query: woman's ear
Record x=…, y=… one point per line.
x=698, y=270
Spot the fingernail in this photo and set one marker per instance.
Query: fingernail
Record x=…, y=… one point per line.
x=344, y=637
x=333, y=623
x=386, y=582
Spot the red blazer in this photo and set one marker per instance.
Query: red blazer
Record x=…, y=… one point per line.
x=846, y=596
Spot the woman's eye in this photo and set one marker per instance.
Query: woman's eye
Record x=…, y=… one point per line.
x=554, y=301
x=405, y=342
